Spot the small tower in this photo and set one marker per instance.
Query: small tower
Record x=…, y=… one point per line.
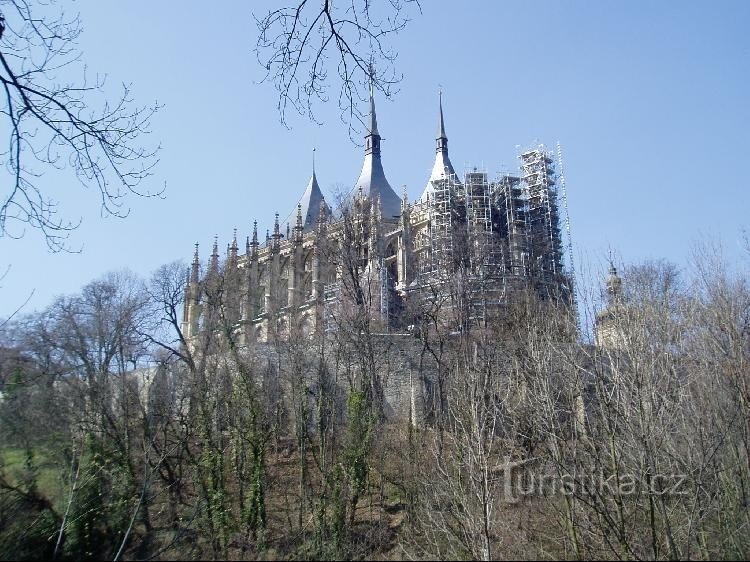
x=233, y=251
x=253, y=254
x=276, y=236
x=372, y=182
x=299, y=227
x=191, y=309
x=213, y=267
x=608, y=331
x=442, y=169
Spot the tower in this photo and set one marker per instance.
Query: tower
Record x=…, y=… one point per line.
x=442, y=169
x=608, y=333
x=372, y=181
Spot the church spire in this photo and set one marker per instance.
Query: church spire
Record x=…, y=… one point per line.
x=253, y=243
x=373, y=128
x=214, y=268
x=310, y=203
x=372, y=179
x=442, y=169
x=233, y=250
x=614, y=284
x=442, y=139
x=195, y=266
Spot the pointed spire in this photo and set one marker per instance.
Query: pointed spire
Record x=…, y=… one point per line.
x=441, y=127
x=254, y=243
x=442, y=169
x=195, y=266
x=276, y=236
x=233, y=250
x=372, y=181
x=215, y=255
x=309, y=204
x=614, y=283
x=373, y=127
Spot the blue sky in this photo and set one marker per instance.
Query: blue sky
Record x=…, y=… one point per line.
x=649, y=100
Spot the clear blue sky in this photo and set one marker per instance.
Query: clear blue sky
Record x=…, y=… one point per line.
x=649, y=99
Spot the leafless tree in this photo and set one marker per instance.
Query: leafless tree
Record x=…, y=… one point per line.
x=302, y=45
x=56, y=119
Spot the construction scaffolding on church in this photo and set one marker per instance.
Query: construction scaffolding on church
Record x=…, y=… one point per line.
x=480, y=241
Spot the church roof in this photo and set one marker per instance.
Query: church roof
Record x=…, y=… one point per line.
x=372, y=180
x=311, y=200
x=310, y=206
x=442, y=168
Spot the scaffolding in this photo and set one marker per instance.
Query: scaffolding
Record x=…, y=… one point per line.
x=571, y=273
x=482, y=255
x=511, y=208
x=441, y=217
x=542, y=219
x=488, y=240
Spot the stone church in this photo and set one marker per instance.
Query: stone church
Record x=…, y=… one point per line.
x=503, y=235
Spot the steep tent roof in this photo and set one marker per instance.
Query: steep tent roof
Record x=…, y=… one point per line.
x=442, y=168
x=310, y=205
x=372, y=180
x=311, y=200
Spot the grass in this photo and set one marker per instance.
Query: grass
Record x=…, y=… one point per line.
x=49, y=480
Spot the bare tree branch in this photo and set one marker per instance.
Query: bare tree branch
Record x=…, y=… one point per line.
x=55, y=122
x=298, y=45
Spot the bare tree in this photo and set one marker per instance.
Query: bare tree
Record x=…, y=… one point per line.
x=56, y=120
x=300, y=46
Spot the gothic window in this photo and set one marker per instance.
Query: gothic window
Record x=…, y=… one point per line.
x=283, y=292
x=261, y=299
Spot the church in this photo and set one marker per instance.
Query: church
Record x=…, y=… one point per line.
x=495, y=237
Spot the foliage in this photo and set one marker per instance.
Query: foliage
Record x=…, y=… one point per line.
x=222, y=446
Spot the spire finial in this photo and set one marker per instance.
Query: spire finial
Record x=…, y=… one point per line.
x=276, y=236
x=373, y=129
x=195, y=266
x=215, y=254
x=441, y=126
x=313, y=160
x=614, y=283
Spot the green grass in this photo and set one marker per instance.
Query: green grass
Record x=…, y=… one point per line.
x=49, y=480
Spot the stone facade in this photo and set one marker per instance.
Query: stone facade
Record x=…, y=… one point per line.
x=504, y=232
